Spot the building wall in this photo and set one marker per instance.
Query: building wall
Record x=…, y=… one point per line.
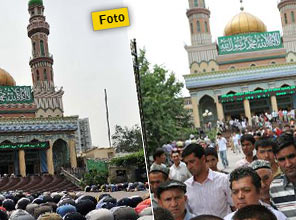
x=100, y=153
x=84, y=135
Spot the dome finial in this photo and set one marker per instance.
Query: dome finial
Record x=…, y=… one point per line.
x=242, y=7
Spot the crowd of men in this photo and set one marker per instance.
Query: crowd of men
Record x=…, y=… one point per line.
x=72, y=206
x=194, y=188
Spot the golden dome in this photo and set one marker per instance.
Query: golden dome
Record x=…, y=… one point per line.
x=244, y=23
x=6, y=79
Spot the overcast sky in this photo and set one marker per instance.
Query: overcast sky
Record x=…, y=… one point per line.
x=87, y=61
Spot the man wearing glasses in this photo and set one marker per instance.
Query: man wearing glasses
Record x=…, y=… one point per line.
x=282, y=188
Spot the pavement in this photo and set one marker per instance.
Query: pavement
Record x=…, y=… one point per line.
x=232, y=159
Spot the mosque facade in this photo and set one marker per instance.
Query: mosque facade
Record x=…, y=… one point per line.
x=245, y=72
x=35, y=136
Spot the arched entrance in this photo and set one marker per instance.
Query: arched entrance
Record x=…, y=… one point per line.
x=61, y=156
x=207, y=111
x=32, y=159
x=260, y=106
x=286, y=102
x=9, y=161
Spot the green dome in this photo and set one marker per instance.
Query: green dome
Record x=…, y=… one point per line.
x=35, y=2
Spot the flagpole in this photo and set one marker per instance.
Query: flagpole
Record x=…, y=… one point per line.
x=107, y=116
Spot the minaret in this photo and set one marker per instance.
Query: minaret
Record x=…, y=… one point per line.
x=199, y=21
x=202, y=50
x=48, y=100
x=287, y=10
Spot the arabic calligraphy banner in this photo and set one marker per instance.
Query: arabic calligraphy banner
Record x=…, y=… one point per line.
x=258, y=94
x=16, y=94
x=249, y=42
x=17, y=146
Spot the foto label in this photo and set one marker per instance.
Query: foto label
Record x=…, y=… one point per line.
x=110, y=19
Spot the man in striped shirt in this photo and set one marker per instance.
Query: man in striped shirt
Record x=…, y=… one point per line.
x=282, y=188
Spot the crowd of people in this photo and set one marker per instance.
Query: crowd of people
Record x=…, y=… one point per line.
x=72, y=206
x=187, y=184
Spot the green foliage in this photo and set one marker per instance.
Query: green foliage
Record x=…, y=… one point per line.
x=136, y=159
x=127, y=140
x=212, y=134
x=94, y=177
x=163, y=108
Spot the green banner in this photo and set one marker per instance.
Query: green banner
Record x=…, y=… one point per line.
x=258, y=94
x=249, y=42
x=16, y=94
x=96, y=165
x=17, y=146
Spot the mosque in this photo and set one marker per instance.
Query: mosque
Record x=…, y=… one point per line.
x=245, y=72
x=35, y=136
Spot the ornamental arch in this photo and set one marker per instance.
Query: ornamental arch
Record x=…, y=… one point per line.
x=206, y=105
x=60, y=152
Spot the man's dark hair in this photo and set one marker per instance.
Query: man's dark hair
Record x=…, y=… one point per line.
x=283, y=141
x=196, y=149
x=248, y=137
x=164, y=174
x=265, y=142
x=161, y=214
x=242, y=172
x=206, y=217
x=158, y=152
x=171, y=184
x=211, y=151
x=258, y=212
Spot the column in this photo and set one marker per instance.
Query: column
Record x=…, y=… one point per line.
x=72, y=148
x=274, y=103
x=49, y=159
x=195, y=112
x=220, y=111
x=22, y=162
x=248, y=111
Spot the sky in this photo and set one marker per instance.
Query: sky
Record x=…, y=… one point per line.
x=86, y=61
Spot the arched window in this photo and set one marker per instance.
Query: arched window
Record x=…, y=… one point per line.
x=198, y=26
x=42, y=48
x=253, y=65
x=286, y=19
x=195, y=3
x=206, y=27
x=34, y=48
x=191, y=27
x=292, y=16
x=44, y=74
x=51, y=76
x=232, y=67
x=37, y=75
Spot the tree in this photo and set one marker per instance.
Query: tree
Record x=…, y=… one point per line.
x=127, y=139
x=163, y=108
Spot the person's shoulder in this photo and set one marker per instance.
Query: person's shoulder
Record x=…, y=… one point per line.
x=278, y=180
x=189, y=181
x=279, y=215
x=229, y=216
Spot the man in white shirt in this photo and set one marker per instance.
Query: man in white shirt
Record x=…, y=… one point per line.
x=245, y=186
x=208, y=191
x=222, y=148
x=178, y=171
x=236, y=143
